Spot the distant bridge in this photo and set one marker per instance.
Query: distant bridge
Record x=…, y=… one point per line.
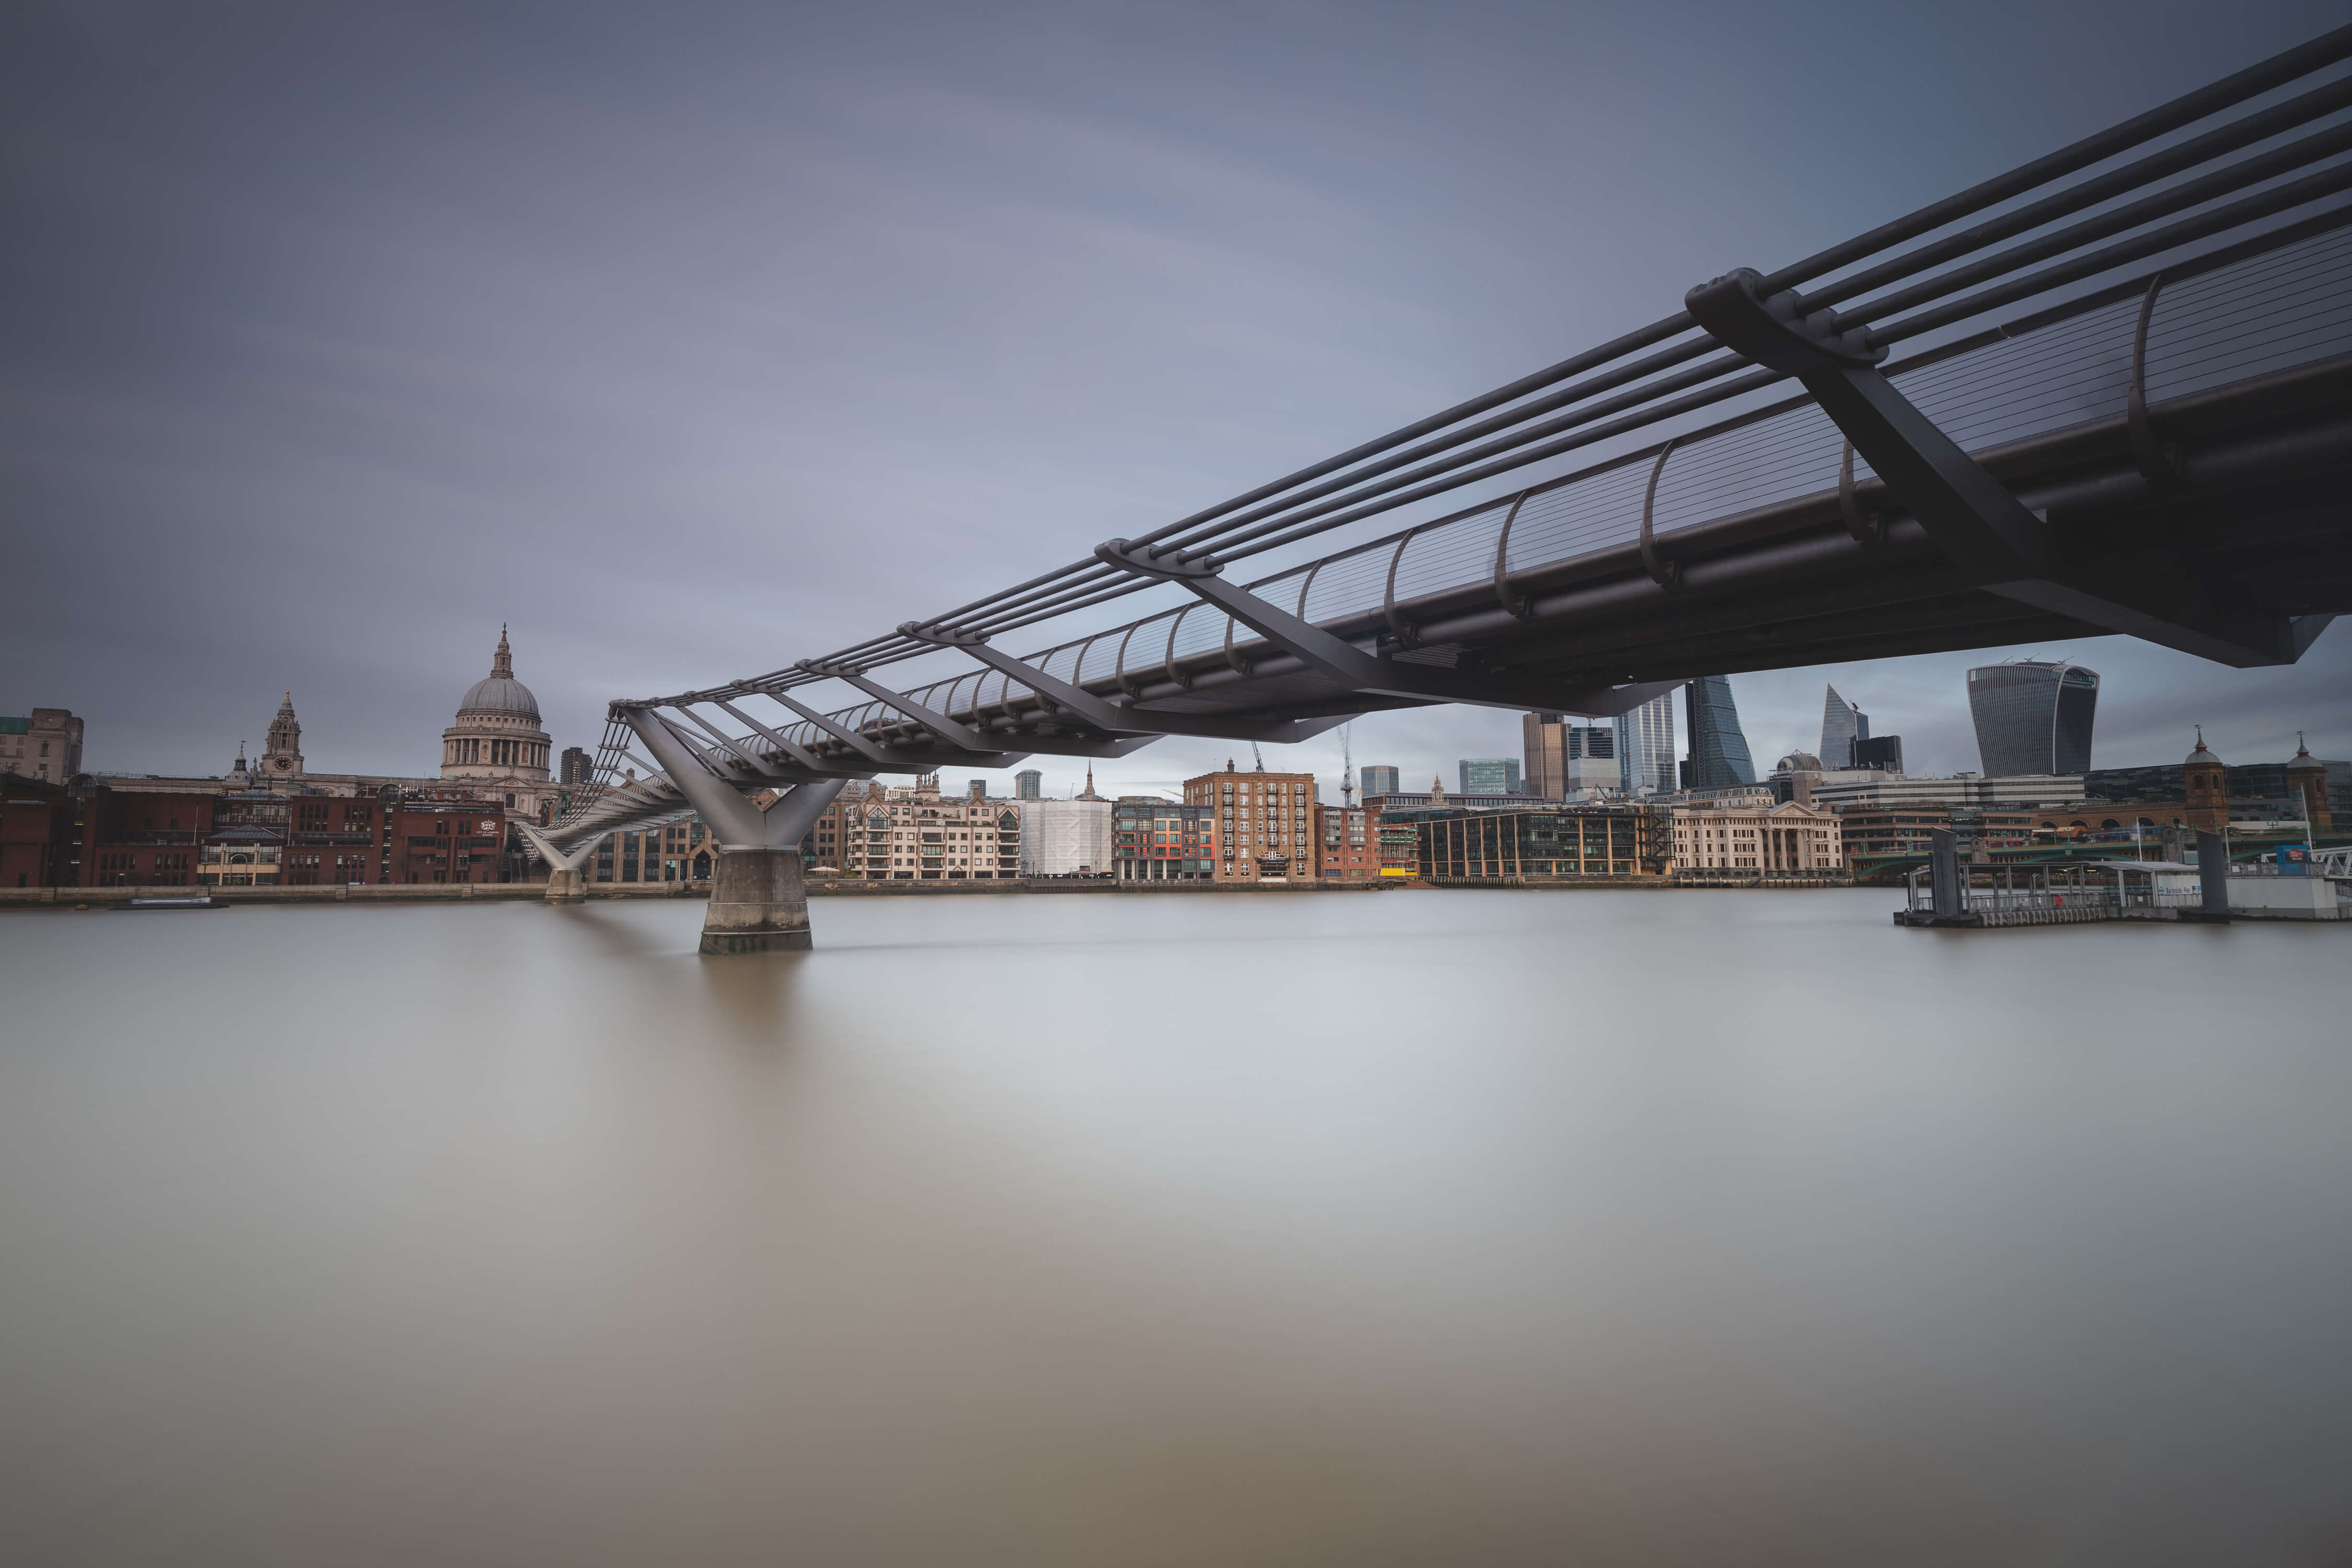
x=2122, y=403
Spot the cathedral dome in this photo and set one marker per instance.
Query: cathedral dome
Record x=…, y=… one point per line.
x=500, y=694
x=500, y=691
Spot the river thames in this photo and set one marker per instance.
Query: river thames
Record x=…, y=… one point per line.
x=1492, y=1227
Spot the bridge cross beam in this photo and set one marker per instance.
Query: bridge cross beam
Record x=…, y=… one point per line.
x=1994, y=541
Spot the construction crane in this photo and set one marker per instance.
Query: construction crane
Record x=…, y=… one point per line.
x=1258, y=755
x=1347, y=769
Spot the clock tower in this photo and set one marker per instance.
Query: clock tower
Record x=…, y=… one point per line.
x=282, y=757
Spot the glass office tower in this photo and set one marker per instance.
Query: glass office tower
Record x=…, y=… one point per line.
x=1718, y=749
x=1378, y=780
x=1489, y=776
x=1645, y=746
x=2033, y=717
x=1841, y=724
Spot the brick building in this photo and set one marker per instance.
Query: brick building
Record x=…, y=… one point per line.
x=37, y=823
x=396, y=838
x=92, y=836
x=146, y=839
x=1261, y=825
x=1346, y=844
x=1156, y=840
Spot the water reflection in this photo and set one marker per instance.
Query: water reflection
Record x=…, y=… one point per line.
x=1488, y=1228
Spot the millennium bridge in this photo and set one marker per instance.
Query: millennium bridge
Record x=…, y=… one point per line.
x=2109, y=392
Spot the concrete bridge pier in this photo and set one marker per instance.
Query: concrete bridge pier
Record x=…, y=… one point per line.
x=759, y=903
x=759, y=900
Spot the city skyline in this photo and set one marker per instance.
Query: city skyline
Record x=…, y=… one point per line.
x=2134, y=729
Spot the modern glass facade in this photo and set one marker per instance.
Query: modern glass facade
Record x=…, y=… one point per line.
x=1489, y=776
x=1028, y=785
x=1718, y=749
x=1841, y=724
x=1378, y=780
x=1645, y=746
x=1583, y=841
x=2033, y=717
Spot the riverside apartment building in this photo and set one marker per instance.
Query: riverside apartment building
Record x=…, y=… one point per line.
x=1261, y=825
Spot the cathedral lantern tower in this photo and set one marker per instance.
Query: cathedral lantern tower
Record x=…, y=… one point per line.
x=281, y=757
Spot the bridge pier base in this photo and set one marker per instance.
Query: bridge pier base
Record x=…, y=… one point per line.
x=759, y=903
x=566, y=885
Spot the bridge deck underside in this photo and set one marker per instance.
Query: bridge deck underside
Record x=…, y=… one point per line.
x=2247, y=379
x=1787, y=584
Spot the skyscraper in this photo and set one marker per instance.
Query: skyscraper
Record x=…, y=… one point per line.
x=1489, y=776
x=2033, y=717
x=1378, y=780
x=1718, y=749
x=1566, y=758
x=1841, y=724
x=1028, y=785
x=1645, y=745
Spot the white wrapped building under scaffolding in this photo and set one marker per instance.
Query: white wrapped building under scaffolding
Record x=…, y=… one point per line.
x=1066, y=839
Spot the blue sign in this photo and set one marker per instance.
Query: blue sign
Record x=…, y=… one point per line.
x=2293, y=860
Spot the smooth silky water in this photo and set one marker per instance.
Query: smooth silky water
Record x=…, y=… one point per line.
x=1408, y=1227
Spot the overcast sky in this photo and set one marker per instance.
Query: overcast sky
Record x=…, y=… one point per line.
x=693, y=339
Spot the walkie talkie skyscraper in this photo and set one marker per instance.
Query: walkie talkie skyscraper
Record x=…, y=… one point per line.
x=2032, y=717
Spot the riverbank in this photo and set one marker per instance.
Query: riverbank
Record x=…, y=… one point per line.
x=525, y=892
x=121, y=898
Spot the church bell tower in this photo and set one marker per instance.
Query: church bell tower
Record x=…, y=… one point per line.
x=281, y=758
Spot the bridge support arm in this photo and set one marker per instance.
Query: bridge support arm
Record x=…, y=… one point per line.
x=792, y=749
x=739, y=824
x=1343, y=661
x=958, y=735
x=1985, y=533
x=1105, y=714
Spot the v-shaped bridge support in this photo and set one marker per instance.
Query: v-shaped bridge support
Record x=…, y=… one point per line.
x=758, y=901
